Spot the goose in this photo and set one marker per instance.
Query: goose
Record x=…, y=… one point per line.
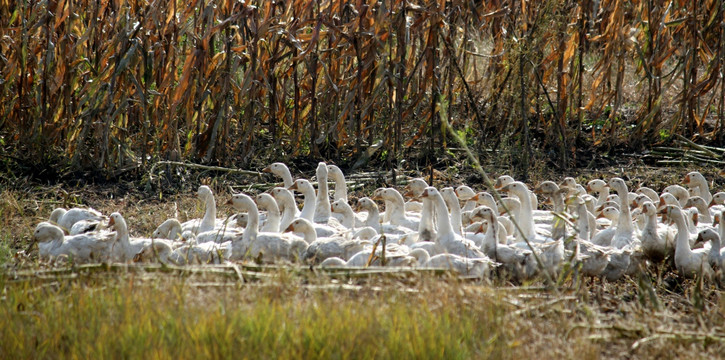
x=525, y=218
x=474, y=267
x=687, y=261
x=395, y=256
x=595, y=258
x=480, y=214
x=504, y=180
x=269, y=247
x=320, y=249
x=446, y=238
x=202, y=253
x=266, y=202
x=572, y=187
x=85, y=226
x=414, y=189
x=679, y=192
x=82, y=248
x=695, y=180
x=486, y=199
x=700, y=204
x=281, y=170
x=514, y=259
x=651, y=194
x=552, y=191
x=623, y=235
x=466, y=194
x=209, y=221
x=451, y=200
x=159, y=251
x=716, y=255
x=373, y=219
x=310, y=199
x=286, y=204
x=657, y=242
x=169, y=229
x=125, y=248
x=322, y=201
x=67, y=218
x=395, y=208
x=348, y=219
x=338, y=177
x=599, y=187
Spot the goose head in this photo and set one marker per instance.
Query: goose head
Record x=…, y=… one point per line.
x=546, y=188
x=717, y=199
x=277, y=168
x=45, y=232
x=465, y=192
x=415, y=187
x=242, y=202
x=610, y=213
x=618, y=185
x=204, y=192
x=648, y=208
x=299, y=225
x=596, y=185
x=569, y=182
x=338, y=206
x=502, y=181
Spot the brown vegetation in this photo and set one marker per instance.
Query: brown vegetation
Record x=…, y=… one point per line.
x=112, y=86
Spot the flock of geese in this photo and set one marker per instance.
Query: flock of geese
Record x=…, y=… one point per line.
x=602, y=227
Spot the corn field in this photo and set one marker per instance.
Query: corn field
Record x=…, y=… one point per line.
x=116, y=85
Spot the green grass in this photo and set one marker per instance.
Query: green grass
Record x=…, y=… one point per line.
x=170, y=318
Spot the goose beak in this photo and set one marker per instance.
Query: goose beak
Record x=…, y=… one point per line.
x=293, y=187
x=475, y=197
x=409, y=193
x=231, y=201
x=267, y=169
x=721, y=173
x=712, y=203
x=111, y=222
x=589, y=188
x=687, y=179
x=600, y=216
x=425, y=193
x=716, y=221
x=289, y=228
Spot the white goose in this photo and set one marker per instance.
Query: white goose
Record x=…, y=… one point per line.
x=446, y=238
x=209, y=221
x=504, y=180
x=338, y=177
x=687, y=261
x=679, y=192
x=269, y=247
x=288, y=206
x=81, y=248
x=395, y=208
x=624, y=233
x=322, y=200
x=414, y=189
x=695, y=180
x=125, y=248
x=320, y=249
x=66, y=219
x=599, y=187
x=474, y=267
x=651, y=194
x=267, y=203
x=657, y=241
x=281, y=170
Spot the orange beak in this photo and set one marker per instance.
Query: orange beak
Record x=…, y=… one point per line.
x=111, y=222
x=293, y=187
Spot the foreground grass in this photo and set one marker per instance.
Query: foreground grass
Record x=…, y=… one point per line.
x=169, y=318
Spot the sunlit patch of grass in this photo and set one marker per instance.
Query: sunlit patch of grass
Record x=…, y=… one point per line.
x=170, y=318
